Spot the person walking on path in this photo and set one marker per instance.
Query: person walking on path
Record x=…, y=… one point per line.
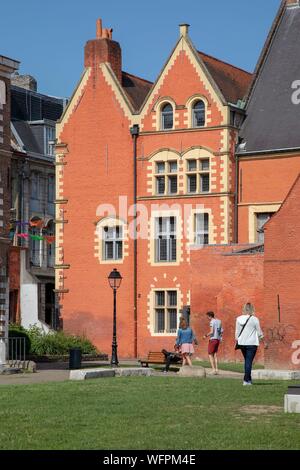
x=248, y=334
x=215, y=337
x=184, y=341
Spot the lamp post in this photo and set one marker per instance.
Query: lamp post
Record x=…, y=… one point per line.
x=114, y=280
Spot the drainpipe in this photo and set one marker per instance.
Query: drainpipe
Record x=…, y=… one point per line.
x=236, y=199
x=134, y=131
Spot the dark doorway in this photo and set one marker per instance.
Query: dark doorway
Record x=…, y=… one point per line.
x=13, y=305
x=50, y=317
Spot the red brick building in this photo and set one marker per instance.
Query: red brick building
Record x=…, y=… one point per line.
x=191, y=186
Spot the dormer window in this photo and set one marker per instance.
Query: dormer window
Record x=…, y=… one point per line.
x=198, y=114
x=167, y=117
x=49, y=140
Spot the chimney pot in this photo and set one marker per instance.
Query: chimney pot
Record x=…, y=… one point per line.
x=99, y=28
x=184, y=29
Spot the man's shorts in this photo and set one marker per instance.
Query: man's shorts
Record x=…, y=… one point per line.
x=213, y=346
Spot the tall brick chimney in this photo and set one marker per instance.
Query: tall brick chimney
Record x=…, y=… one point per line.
x=103, y=49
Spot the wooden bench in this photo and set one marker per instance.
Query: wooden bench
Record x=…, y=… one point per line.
x=156, y=358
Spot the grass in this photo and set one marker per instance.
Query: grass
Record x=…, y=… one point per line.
x=147, y=413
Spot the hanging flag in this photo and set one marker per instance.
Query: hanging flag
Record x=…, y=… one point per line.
x=49, y=238
x=36, y=237
x=22, y=235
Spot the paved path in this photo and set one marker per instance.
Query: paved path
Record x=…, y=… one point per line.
x=59, y=372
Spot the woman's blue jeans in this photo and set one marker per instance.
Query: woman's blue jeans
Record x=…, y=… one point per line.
x=249, y=353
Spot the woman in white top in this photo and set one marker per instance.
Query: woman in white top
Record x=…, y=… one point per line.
x=248, y=333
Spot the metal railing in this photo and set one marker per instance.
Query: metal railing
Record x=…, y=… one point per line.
x=15, y=350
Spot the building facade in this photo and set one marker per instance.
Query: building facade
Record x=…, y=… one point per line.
x=7, y=67
x=177, y=154
x=32, y=254
x=184, y=186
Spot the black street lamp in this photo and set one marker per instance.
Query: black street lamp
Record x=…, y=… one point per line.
x=114, y=280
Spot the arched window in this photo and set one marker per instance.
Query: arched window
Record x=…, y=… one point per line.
x=167, y=117
x=113, y=243
x=198, y=114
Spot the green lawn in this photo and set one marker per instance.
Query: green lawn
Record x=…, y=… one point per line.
x=147, y=413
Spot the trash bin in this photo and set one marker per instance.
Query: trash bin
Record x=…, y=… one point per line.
x=75, y=358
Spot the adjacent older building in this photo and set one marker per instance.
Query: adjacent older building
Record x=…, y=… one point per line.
x=7, y=67
x=269, y=150
x=33, y=119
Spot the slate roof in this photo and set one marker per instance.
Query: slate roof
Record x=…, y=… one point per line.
x=273, y=121
x=28, y=105
x=136, y=88
x=26, y=135
x=232, y=81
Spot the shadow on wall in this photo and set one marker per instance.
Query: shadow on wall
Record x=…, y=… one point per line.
x=99, y=330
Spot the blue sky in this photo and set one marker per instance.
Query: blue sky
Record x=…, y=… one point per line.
x=48, y=37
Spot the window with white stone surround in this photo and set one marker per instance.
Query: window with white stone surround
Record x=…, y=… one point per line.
x=198, y=175
x=165, y=239
x=165, y=311
x=111, y=240
x=166, y=178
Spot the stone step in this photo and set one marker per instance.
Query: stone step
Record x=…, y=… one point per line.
x=84, y=374
x=195, y=371
x=270, y=374
x=10, y=371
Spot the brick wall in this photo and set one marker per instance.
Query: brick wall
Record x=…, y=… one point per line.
x=223, y=282
x=282, y=281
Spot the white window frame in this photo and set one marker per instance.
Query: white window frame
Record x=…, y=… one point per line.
x=162, y=124
x=116, y=239
x=193, y=120
x=49, y=137
x=168, y=175
x=169, y=235
x=198, y=172
x=166, y=309
x=200, y=230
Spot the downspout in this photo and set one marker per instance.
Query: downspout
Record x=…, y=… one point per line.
x=236, y=199
x=134, y=131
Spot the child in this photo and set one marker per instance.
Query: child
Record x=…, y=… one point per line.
x=184, y=341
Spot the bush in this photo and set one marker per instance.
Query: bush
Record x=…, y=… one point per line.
x=17, y=331
x=57, y=343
